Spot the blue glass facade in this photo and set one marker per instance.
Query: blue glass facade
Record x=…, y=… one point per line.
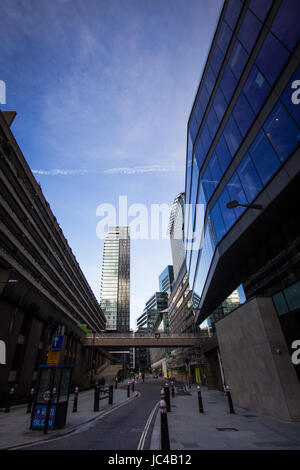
x=253, y=49
x=166, y=279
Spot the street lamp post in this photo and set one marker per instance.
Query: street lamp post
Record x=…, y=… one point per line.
x=234, y=204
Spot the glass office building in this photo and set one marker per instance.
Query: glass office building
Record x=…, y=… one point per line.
x=176, y=225
x=243, y=144
x=115, y=284
x=166, y=279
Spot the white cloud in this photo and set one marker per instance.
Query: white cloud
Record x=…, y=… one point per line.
x=111, y=171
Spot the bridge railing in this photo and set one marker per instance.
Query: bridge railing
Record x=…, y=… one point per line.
x=154, y=335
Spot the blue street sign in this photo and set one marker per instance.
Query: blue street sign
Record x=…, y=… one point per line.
x=39, y=417
x=57, y=342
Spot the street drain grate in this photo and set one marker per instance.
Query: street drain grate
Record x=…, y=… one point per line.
x=250, y=416
x=226, y=429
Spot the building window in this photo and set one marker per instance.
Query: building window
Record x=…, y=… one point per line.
x=228, y=214
x=218, y=223
x=271, y=58
x=292, y=295
x=232, y=135
x=205, y=138
x=260, y=8
x=189, y=168
x=256, y=88
x=210, y=80
x=228, y=83
x=198, y=112
x=286, y=23
x=193, y=127
x=223, y=153
x=224, y=37
x=267, y=165
x=212, y=122
x=216, y=59
x=209, y=185
x=249, y=30
x=243, y=114
x=199, y=152
x=219, y=104
x=233, y=11
x=238, y=59
x=282, y=131
x=215, y=169
x=288, y=299
x=203, y=98
x=249, y=178
x=236, y=193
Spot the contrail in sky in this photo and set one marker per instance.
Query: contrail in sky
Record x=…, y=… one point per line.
x=110, y=171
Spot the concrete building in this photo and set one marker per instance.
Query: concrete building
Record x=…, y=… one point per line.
x=42, y=288
x=242, y=167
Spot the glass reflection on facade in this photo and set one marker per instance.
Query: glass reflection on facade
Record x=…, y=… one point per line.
x=166, y=279
x=115, y=285
x=249, y=57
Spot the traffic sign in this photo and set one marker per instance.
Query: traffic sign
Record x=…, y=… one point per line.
x=57, y=342
x=53, y=358
x=39, y=417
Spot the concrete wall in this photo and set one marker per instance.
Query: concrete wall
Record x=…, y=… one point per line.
x=260, y=378
x=212, y=371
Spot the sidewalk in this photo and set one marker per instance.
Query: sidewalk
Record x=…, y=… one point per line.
x=217, y=429
x=14, y=426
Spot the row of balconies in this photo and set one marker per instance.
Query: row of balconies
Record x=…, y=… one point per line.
x=22, y=177
x=26, y=219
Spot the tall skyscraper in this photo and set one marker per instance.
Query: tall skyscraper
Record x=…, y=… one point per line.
x=176, y=227
x=115, y=285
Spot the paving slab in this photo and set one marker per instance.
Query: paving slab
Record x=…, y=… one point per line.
x=15, y=425
x=218, y=429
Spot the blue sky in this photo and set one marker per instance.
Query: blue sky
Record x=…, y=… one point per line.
x=99, y=86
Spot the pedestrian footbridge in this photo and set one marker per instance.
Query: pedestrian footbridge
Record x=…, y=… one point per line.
x=157, y=340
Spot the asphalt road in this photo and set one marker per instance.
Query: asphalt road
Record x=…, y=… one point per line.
x=121, y=429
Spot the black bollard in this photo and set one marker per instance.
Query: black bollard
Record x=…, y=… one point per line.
x=75, y=400
x=200, y=399
x=96, y=398
x=10, y=399
x=164, y=431
x=31, y=393
x=167, y=397
x=173, y=389
x=231, y=409
x=116, y=382
x=128, y=390
x=110, y=394
x=133, y=385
